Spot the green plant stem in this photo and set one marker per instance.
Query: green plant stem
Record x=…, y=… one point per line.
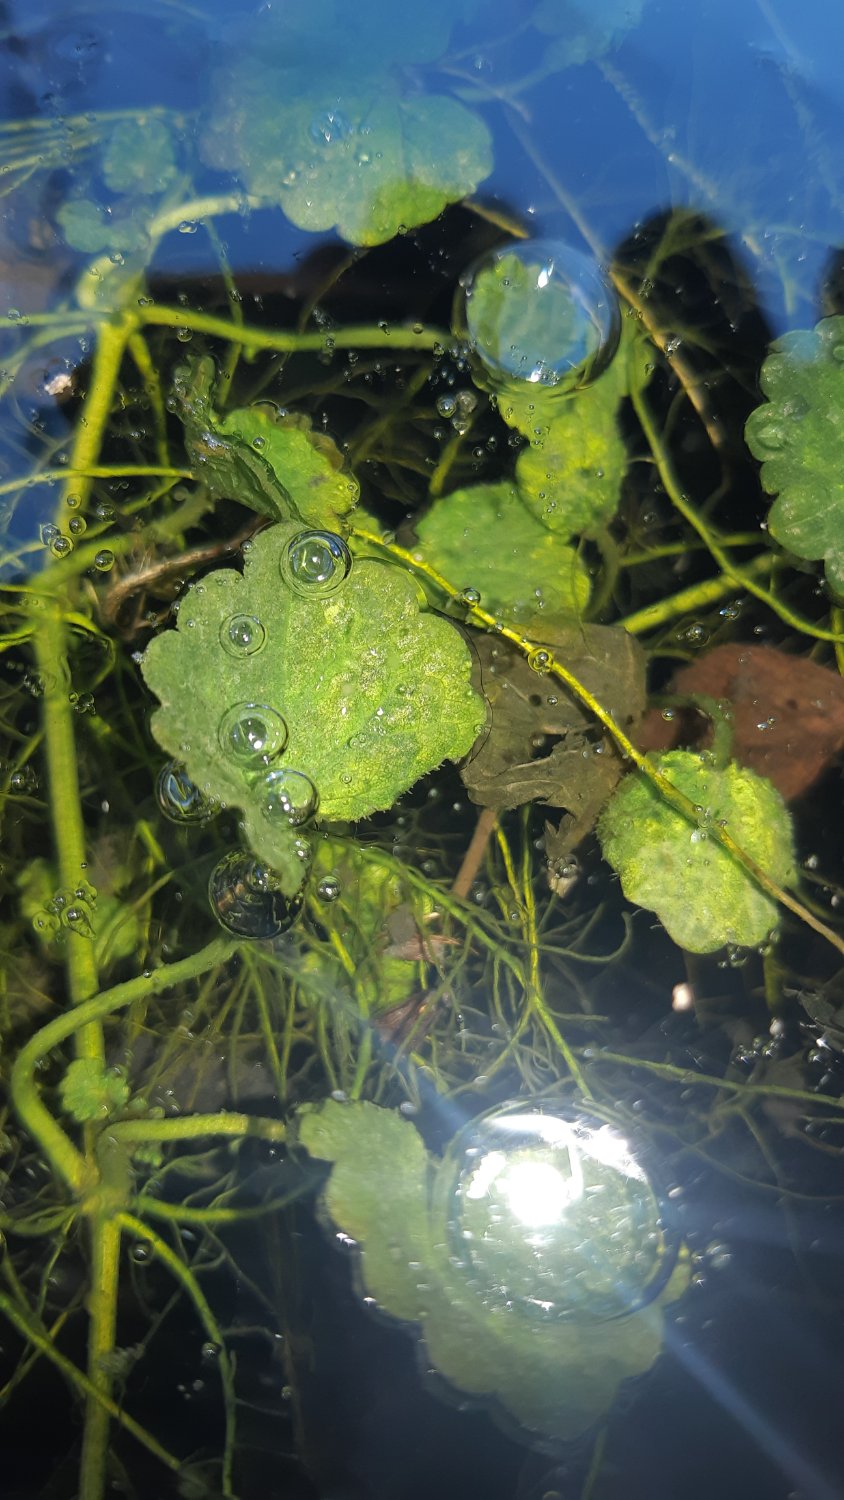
x=698, y=596
x=67, y=1162
x=112, y=338
x=65, y=805
x=663, y=784
x=193, y=1127
x=365, y=336
x=94, y=471
x=40, y=1340
x=680, y=501
x=102, y=1327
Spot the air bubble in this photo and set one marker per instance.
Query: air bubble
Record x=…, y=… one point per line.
x=246, y=899
x=316, y=563
x=470, y=597
x=104, y=560
x=539, y=660
x=329, y=888
x=179, y=798
x=242, y=635
x=447, y=406
x=253, y=733
x=288, y=796
x=538, y=313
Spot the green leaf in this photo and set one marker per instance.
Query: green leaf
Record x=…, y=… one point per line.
x=139, y=157
x=90, y=1092
x=703, y=897
x=485, y=538
x=584, y=30
x=88, y=227
x=373, y=692
x=570, y=476
x=261, y=457
x=557, y=1379
x=365, y=163
x=541, y=745
x=796, y=434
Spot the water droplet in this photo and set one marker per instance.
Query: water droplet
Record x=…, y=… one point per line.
x=242, y=635
x=253, y=733
x=329, y=126
x=104, y=560
x=316, y=563
x=538, y=312
x=77, y=525
x=539, y=660
x=246, y=899
x=61, y=546
x=289, y=796
x=329, y=888
x=470, y=597
x=188, y=226
x=104, y=511
x=48, y=533
x=447, y=406
x=179, y=798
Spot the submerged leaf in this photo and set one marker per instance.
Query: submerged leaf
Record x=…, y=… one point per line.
x=541, y=745
x=796, y=434
x=584, y=30
x=139, y=157
x=90, y=1091
x=357, y=692
x=260, y=456
x=485, y=538
x=554, y=1377
x=701, y=894
x=571, y=474
x=88, y=227
x=352, y=154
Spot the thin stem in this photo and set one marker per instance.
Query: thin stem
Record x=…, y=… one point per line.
x=698, y=596
x=364, y=336
x=90, y=429
x=102, y=1327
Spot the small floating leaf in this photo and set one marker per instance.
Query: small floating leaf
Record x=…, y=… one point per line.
x=358, y=693
x=139, y=157
x=701, y=894
x=486, y=538
x=555, y=1375
x=796, y=434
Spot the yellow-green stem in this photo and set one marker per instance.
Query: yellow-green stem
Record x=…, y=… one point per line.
x=102, y=1324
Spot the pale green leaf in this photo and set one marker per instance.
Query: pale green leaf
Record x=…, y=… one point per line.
x=139, y=157
x=373, y=692
x=485, y=538
x=261, y=457
x=701, y=894
x=797, y=433
x=555, y=1378
x=88, y=227
x=90, y=1091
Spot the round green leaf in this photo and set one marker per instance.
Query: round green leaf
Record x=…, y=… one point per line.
x=372, y=692
x=798, y=434
x=556, y=1379
x=701, y=894
x=485, y=538
x=139, y=157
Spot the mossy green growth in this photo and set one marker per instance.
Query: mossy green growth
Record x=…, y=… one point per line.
x=701, y=894
x=798, y=437
x=361, y=692
x=267, y=459
x=485, y=538
x=90, y=1092
x=555, y=1378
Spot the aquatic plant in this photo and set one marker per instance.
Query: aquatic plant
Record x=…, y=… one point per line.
x=255, y=670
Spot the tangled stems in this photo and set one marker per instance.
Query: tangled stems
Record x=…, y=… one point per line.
x=551, y=666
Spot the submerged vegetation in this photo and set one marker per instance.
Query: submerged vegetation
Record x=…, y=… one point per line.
x=344, y=775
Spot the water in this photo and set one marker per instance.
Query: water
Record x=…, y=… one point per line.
x=242, y=274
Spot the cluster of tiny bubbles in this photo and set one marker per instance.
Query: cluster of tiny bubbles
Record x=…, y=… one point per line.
x=316, y=563
x=253, y=733
x=179, y=798
x=329, y=888
x=242, y=635
x=246, y=897
x=329, y=126
x=288, y=796
x=538, y=312
x=553, y=1214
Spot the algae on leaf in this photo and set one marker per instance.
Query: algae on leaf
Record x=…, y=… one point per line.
x=701, y=894
x=555, y=1377
x=797, y=436
x=355, y=695
x=485, y=538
